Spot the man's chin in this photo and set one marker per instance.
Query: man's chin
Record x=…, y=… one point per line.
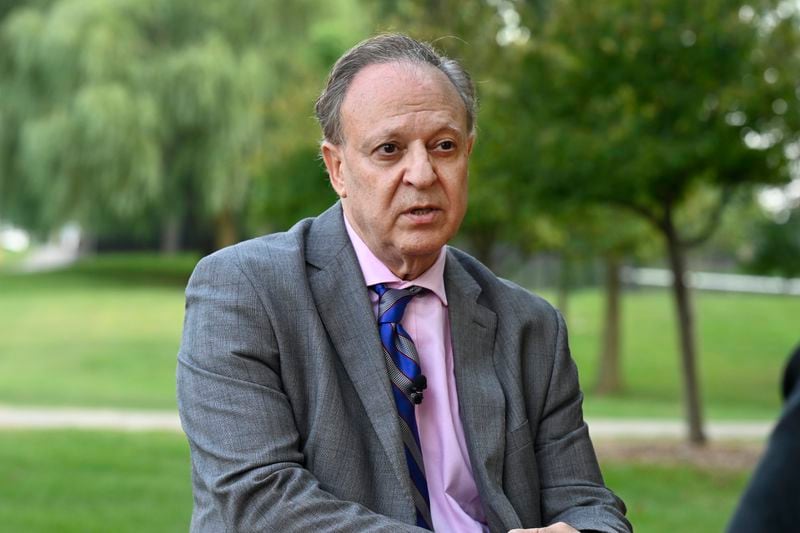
x=421, y=246
x=421, y=251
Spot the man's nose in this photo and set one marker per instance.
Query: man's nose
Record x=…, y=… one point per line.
x=420, y=172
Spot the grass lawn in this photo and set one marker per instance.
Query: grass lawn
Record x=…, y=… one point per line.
x=667, y=498
x=81, y=481
x=106, y=331
x=744, y=341
x=84, y=482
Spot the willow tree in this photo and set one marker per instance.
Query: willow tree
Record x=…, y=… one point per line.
x=139, y=109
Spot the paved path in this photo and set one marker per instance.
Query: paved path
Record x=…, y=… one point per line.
x=129, y=420
x=63, y=418
x=648, y=429
x=48, y=257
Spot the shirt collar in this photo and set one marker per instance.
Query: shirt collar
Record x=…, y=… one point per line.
x=376, y=272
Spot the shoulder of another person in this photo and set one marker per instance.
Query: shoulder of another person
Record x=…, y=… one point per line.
x=791, y=374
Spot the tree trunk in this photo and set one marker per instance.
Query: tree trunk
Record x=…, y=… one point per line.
x=609, y=376
x=171, y=234
x=225, y=233
x=686, y=332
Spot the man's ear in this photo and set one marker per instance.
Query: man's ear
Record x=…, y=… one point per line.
x=470, y=142
x=332, y=156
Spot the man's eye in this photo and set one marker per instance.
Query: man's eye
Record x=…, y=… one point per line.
x=388, y=148
x=447, y=145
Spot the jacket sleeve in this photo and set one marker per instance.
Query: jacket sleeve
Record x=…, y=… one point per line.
x=572, y=488
x=248, y=469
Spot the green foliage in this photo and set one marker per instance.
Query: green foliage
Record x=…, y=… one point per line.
x=294, y=187
x=291, y=181
x=777, y=247
x=117, y=112
x=99, y=137
x=637, y=105
x=121, y=111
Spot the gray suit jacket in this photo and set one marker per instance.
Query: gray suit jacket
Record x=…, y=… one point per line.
x=286, y=402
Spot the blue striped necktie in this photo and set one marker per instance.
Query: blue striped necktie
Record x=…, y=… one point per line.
x=408, y=383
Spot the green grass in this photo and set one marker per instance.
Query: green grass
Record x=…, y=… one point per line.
x=668, y=498
x=10, y=260
x=106, y=332
x=744, y=341
x=83, y=482
x=103, y=333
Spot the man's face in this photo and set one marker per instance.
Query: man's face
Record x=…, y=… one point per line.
x=402, y=169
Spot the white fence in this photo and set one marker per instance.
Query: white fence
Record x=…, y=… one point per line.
x=656, y=277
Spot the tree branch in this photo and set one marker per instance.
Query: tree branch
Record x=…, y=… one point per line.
x=713, y=220
x=640, y=210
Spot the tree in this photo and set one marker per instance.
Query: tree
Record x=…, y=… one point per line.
x=121, y=110
x=643, y=107
x=597, y=231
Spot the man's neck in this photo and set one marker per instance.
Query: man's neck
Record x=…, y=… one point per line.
x=406, y=268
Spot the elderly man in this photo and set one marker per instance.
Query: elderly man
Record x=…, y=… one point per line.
x=357, y=374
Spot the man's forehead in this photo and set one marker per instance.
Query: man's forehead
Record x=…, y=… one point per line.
x=395, y=76
x=383, y=88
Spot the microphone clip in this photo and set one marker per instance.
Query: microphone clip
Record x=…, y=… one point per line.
x=418, y=384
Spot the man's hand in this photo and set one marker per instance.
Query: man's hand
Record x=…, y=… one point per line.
x=558, y=527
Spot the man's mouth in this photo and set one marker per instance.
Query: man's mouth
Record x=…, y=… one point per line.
x=423, y=215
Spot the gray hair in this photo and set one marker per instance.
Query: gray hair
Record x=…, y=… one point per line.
x=387, y=48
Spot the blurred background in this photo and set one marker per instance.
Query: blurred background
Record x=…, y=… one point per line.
x=637, y=163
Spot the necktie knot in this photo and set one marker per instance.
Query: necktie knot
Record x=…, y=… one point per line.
x=392, y=302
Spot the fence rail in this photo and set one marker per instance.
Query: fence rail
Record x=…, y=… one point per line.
x=712, y=281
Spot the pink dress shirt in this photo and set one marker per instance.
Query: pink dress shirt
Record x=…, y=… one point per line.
x=455, y=503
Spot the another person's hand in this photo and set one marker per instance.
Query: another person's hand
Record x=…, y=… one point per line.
x=558, y=527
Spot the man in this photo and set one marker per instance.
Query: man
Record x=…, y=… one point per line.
x=355, y=373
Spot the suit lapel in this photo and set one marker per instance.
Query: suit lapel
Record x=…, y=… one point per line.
x=344, y=306
x=480, y=395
